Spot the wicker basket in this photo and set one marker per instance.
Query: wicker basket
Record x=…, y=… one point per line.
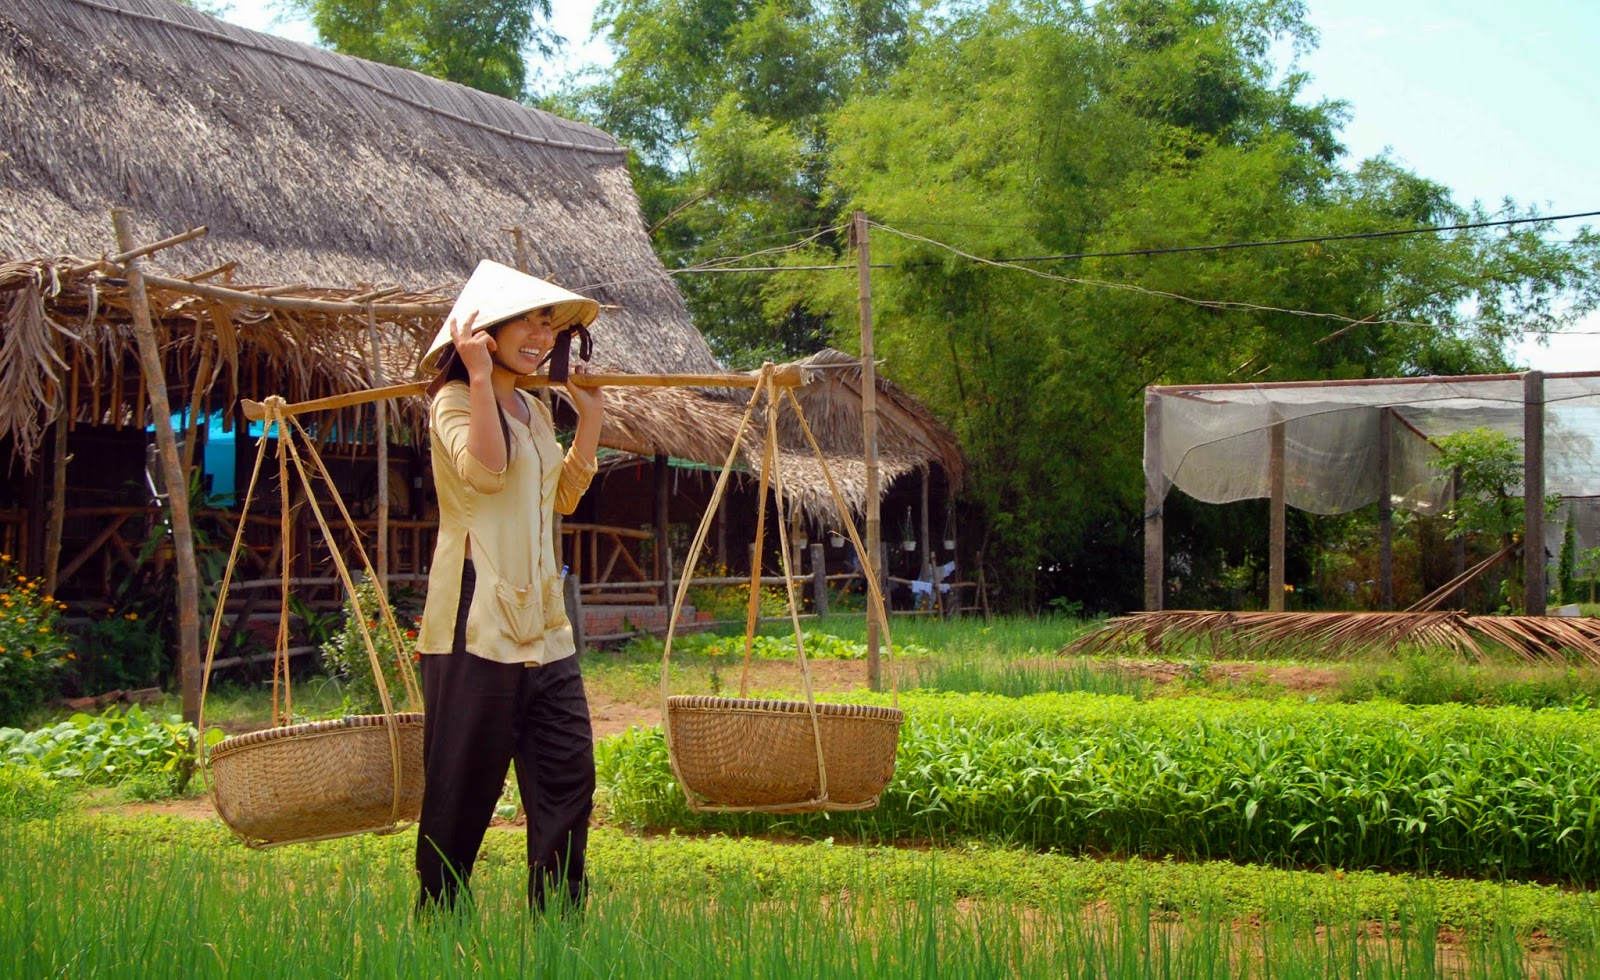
x=319, y=780
x=739, y=754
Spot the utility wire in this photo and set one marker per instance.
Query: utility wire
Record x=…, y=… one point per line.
x=1310, y=239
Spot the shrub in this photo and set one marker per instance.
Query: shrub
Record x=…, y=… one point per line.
x=123, y=649
x=346, y=652
x=732, y=602
x=28, y=794
x=33, y=650
x=108, y=749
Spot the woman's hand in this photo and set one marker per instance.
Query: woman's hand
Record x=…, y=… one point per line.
x=476, y=350
x=586, y=400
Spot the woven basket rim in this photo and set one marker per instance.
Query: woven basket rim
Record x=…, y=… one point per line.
x=702, y=702
x=312, y=728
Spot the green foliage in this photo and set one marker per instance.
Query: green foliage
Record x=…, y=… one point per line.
x=818, y=646
x=122, y=649
x=1567, y=563
x=1490, y=466
x=732, y=602
x=33, y=648
x=345, y=653
x=28, y=794
x=479, y=43
x=1488, y=791
x=108, y=749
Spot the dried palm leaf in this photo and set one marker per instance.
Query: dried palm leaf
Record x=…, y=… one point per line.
x=1342, y=634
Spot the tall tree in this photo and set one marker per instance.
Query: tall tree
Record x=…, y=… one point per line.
x=1028, y=130
x=725, y=105
x=480, y=43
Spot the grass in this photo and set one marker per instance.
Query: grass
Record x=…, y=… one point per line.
x=112, y=896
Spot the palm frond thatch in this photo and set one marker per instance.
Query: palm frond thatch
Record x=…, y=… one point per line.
x=1340, y=634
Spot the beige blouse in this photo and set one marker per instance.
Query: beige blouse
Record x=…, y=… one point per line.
x=517, y=615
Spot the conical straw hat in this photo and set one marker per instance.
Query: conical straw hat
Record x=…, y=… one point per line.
x=500, y=293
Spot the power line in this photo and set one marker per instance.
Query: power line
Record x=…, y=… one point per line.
x=1311, y=239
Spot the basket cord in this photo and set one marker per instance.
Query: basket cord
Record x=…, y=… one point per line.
x=771, y=453
x=391, y=724
x=752, y=607
x=874, y=592
x=273, y=404
x=408, y=678
x=284, y=426
x=693, y=558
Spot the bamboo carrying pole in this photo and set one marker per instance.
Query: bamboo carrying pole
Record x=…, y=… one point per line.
x=789, y=376
x=172, y=471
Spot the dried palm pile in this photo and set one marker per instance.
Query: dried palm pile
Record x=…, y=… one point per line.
x=1341, y=634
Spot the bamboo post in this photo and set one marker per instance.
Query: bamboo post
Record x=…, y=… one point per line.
x=381, y=566
x=1154, y=525
x=58, y=492
x=1279, y=515
x=869, y=437
x=1386, y=507
x=1533, y=563
x=662, y=571
x=177, y=481
x=819, y=579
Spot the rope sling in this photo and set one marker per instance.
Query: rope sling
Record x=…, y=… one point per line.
x=743, y=755
x=318, y=780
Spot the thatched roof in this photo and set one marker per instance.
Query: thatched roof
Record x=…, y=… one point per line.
x=313, y=168
x=307, y=167
x=699, y=426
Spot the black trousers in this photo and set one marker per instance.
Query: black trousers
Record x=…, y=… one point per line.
x=482, y=715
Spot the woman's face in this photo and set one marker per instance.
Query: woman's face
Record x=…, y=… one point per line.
x=520, y=343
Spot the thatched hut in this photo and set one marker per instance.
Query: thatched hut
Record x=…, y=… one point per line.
x=345, y=201
x=320, y=178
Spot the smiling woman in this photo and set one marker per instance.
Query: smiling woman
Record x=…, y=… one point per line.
x=499, y=667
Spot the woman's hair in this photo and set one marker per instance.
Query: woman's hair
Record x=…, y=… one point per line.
x=452, y=368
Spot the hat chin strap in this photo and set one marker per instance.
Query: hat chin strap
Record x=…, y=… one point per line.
x=560, y=353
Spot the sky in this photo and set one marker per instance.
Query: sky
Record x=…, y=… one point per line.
x=1493, y=99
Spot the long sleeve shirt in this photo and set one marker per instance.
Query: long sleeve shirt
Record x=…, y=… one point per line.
x=507, y=517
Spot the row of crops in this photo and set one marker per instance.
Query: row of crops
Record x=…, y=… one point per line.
x=1449, y=788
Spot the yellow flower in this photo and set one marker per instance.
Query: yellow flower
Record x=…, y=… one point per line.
x=72, y=656
x=22, y=619
x=130, y=617
x=1287, y=587
x=44, y=629
x=27, y=655
x=5, y=557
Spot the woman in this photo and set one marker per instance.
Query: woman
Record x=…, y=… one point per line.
x=499, y=672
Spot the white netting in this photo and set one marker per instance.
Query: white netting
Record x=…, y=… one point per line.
x=1215, y=441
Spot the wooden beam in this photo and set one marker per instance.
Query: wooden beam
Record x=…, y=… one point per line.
x=382, y=424
x=58, y=493
x=128, y=255
x=1386, y=507
x=662, y=571
x=297, y=303
x=1278, y=522
x=1155, y=559
x=176, y=479
x=1533, y=563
